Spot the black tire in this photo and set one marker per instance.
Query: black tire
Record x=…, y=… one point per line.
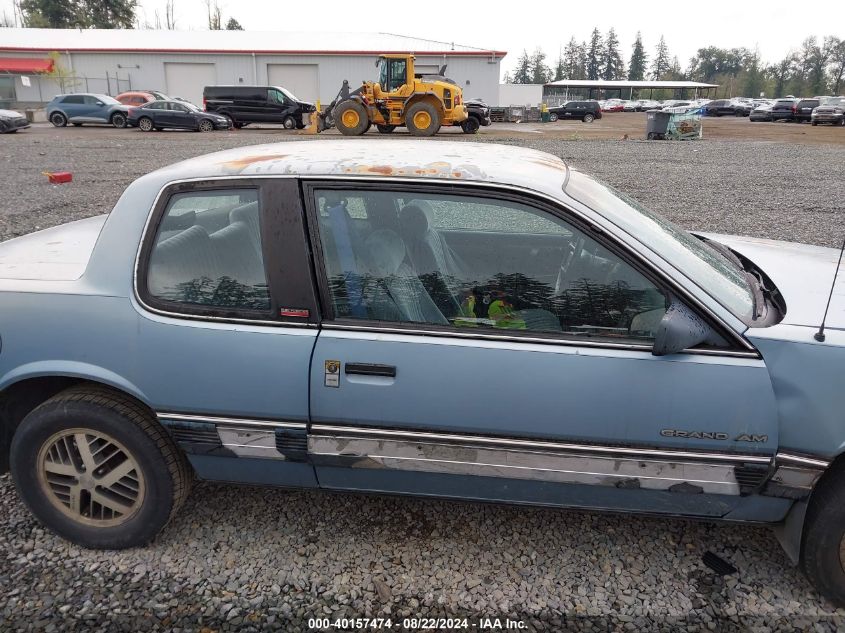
x=356, y=118
x=58, y=119
x=289, y=123
x=824, y=530
x=471, y=125
x=77, y=125
x=118, y=120
x=589, y=118
x=3, y=128
x=651, y=136
x=552, y=117
x=433, y=119
x=813, y=123
x=385, y=129
x=165, y=472
x=205, y=125
x=145, y=124
x=842, y=122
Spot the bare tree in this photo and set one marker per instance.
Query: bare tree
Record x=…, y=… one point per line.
x=169, y=19
x=215, y=15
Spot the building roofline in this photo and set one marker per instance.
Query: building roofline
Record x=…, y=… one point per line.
x=208, y=51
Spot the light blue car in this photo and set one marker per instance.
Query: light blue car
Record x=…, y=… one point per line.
x=80, y=108
x=441, y=319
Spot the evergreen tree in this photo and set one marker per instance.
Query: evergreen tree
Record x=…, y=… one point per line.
x=639, y=59
x=753, y=84
x=82, y=14
x=614, y=67
x=595, y=54
x=539, y=71
x=838, y=70
x=573, y=60
x=661, y=63
x=782, y=73
x=522, y=72
x=560, y=68
x=110, y=14
x=233, y=25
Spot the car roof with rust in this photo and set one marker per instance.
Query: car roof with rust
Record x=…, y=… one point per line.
x=411, y=158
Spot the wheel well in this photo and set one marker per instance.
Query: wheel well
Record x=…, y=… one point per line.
x=17, y=400
x=429, y=98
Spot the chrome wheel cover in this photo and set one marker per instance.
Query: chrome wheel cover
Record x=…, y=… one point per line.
x=90, y=477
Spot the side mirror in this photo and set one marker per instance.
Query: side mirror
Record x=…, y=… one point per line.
x=681, y=328
x=100, y=103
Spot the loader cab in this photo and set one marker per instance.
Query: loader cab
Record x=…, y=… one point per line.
x=395, y=71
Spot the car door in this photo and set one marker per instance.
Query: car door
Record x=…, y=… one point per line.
x=227, y=314
x=180, y=117
x=481, y=343
x=97, y=111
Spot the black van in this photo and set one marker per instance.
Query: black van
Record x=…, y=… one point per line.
x=243, y=105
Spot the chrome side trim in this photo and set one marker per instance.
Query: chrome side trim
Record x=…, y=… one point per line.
x=548, y=466
x=795, y=476
x=526, y=339
x=245, y=442
x=536, y=445
x=235, y=422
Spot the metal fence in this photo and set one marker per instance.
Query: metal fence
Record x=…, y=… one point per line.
x=109, y=85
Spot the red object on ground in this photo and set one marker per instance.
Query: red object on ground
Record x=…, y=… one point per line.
x=58, y=177
x=25, y=65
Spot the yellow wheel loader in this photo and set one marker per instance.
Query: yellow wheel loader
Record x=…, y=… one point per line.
x=422, y=103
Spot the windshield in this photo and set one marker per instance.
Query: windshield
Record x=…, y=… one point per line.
x=711, y=270
x=108, y=99
x=190, y=106
x=288, y=94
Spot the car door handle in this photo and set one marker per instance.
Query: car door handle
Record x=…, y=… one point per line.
x=369, y=369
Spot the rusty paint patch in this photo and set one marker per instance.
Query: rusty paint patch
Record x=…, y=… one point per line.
x=246, y=161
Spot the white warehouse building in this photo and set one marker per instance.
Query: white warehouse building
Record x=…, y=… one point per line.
x=37, y=64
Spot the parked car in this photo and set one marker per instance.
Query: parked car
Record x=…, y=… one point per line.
x=784, y=109
x=833, y=112
x=587, y=111
x=243, y=105
x=647, y=104
x=82, y=108
x=143, y=348
x=183, y=100
x=158, y=115
x=613, y=105
x=631, y=106
x=479, y=115
x=761, y=112
x=136, y=98
x=722, y=107
x=160, y=96
x=804, y=109
x=11, y=121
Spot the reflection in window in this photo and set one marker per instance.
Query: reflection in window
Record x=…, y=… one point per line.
x=208, y=251
x=477, y=263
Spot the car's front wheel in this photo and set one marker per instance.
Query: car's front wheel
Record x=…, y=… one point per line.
x=289, y=123
x=118, y=120
x=552, y=117
x=95, y=467
x=206, y=126
x=145, y=124
x=823, y=540
x=470, y=126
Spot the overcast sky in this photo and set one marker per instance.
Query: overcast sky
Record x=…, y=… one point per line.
x=774, y=26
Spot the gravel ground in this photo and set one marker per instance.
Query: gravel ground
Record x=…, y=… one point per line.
x=239, y=558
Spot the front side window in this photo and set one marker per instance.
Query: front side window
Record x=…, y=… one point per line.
x=397, y=74
x=474, y=263
x=207, y=251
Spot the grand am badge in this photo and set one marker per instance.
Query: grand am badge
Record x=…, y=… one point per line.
x=332, y=373
x=713, y=435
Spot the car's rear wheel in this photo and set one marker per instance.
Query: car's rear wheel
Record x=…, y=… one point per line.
x=589, y=118
x=145, y=124
x=58, y=119
x=552, y=117
x=94, y=466
x=118, y=120
x=206, y=126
